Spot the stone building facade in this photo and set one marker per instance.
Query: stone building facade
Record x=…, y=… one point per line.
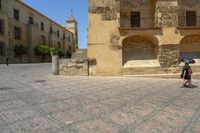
x=131, y=37
x=21, y=24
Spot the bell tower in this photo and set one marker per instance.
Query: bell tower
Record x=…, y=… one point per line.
x=72, y=26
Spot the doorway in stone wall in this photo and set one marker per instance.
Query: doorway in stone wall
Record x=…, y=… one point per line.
x=140, y=51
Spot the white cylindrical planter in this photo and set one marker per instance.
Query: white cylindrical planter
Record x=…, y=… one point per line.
x=55, y=64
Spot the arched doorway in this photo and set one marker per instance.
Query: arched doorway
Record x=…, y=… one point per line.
x=140, y=51
x=190, y=47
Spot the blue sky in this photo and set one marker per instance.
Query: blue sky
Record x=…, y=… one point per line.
x=59, y=11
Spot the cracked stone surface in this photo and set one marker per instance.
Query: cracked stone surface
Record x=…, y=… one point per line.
x=64, y=104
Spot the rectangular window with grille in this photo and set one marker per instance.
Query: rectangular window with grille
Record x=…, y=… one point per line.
x=58, y=33
x=0, y=4
x=135, y=19
x=42, y=26
x=191, y=18
x=31, y=20
x=51, y=30
x=2, y=49
x=16, y=14
x=69, y=39
x=2, y=26
x=18, y=33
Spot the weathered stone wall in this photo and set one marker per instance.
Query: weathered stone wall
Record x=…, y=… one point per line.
x=76, y=66
x=109, y=27
x=107, y=8
x=169, y=55
x=103, y=37
x=4, y=38
x=73, y=67
x=167, y=13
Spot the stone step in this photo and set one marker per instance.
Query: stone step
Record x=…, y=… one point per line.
x=142, y=70
x=177, y=76
x=157, y=70
x=143, y=63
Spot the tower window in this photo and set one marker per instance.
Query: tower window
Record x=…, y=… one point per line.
x=135, y=19
x=191, y=18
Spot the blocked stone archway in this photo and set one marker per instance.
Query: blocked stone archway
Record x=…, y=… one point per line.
x=140, y=51
x=190, y=47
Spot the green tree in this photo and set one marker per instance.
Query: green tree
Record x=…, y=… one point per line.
x=61, y=53
x=20, y=50
x=42, y=50
x=54, y=51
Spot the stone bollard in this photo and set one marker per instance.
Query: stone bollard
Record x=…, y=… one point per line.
x=55, y=64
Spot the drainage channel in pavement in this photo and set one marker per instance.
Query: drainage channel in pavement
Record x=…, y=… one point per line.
x=40, y=81
x=5, y=88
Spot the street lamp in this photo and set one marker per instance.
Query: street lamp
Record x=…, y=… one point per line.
x=9, y=43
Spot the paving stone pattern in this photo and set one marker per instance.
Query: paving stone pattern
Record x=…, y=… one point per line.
x=62, y=104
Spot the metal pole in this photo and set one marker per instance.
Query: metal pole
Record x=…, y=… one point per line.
x=9, y=44
x=8, y=57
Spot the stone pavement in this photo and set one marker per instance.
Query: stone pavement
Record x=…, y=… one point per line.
x=34, y=101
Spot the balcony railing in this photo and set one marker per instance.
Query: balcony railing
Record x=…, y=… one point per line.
x=157, y=23
x=142, y=24
x=189, y=23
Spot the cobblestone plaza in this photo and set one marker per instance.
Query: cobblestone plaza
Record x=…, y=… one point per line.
x=34, y=101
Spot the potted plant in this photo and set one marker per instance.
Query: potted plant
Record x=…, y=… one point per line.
x=55, y=61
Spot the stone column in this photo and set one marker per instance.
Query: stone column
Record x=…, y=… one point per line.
x=55, y=64
x=169, y=55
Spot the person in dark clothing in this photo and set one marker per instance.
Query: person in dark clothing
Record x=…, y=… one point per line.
x=186, y=75
x=7, y=61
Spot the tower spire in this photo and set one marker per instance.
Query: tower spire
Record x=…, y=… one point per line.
x=71, y=12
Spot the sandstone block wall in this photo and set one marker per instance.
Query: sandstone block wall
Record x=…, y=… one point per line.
x=168, y=55
x=76, y=66
x=71, y=67
x=109, y=28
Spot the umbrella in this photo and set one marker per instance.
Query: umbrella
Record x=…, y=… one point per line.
x=188, y=60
